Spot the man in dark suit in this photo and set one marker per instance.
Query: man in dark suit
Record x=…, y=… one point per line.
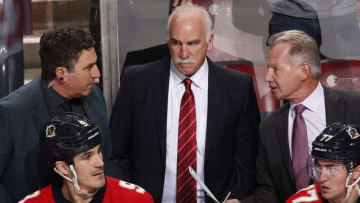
x=293, y=74
x=147, y=118
x=68, y=63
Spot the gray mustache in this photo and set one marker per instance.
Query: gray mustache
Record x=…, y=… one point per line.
x=185, y=61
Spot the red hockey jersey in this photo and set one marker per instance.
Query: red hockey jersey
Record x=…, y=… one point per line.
x=116, y=191
x=310, y=194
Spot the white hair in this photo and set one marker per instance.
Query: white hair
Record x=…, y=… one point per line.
x=190, y=9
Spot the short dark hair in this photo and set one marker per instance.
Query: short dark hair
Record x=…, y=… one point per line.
x=62, y=47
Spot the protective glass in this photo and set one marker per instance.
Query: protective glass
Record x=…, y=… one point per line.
x=315, y=170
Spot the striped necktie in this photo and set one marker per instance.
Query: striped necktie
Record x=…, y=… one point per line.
x=300, y=149
x=186, y=156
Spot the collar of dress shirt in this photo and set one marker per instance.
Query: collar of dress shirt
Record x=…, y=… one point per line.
x=50, y=95
x=198, y=78
x=314, y=102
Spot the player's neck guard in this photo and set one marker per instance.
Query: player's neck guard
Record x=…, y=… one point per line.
x=75, y=181
x=349, y=187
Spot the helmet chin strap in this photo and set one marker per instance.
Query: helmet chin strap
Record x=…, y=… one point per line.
x=350, y=187
x=75, y=181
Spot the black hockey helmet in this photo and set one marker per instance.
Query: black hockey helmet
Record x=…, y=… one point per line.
x=338, y=142
x=65, y=136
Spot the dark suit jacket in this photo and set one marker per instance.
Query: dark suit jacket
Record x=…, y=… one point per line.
x=22, y=115
x=138, y=129
x=275, y=178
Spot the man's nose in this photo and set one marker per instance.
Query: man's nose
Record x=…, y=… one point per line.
x=268, y=76
x=184, y=53
x=322, y=176
x=99, y=160
x=95, y=73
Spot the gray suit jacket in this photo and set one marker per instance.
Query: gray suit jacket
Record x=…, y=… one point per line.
x=138, y=129
x=275, y=178
x=23, y=169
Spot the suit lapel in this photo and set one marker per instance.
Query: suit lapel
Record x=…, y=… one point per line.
x=40, y=116
x=214, y=97
x=333, y=107
x=90, y=112
x=160, y=87
x=39, y=108
x=283, y=139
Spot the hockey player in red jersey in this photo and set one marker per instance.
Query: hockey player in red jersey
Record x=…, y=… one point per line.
x=335, y=166
x=72, y=143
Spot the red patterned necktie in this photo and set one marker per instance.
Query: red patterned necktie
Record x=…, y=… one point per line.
x=300, y=149
x=186, y=156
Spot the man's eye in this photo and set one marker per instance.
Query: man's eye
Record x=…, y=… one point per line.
x=175, y=42
x=88, y=67
x=193, y=43
x=86, y=157
x=333, y=169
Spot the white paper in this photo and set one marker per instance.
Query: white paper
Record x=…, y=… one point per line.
x=203, y=186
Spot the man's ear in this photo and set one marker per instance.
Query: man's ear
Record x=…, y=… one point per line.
x=356, y=173
x=210, y=42
x=60, y=73
x=63, y=167
x=305, y=70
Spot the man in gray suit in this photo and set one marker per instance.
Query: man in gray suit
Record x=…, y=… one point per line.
x=293, y=74
x=68, y=73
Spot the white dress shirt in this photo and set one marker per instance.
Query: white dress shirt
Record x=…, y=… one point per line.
x=199, y=86
x=314, y=116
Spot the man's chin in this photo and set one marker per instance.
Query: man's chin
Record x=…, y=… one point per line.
x=99, y=183
x=276, y=94
x=326, y=195
x=102, y=184
x=86, y=92
x=187, y=69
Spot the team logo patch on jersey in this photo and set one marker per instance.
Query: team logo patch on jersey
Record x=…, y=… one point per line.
x=50, y=131
x=352, y=132
x=83, y=123
x=131, y=186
